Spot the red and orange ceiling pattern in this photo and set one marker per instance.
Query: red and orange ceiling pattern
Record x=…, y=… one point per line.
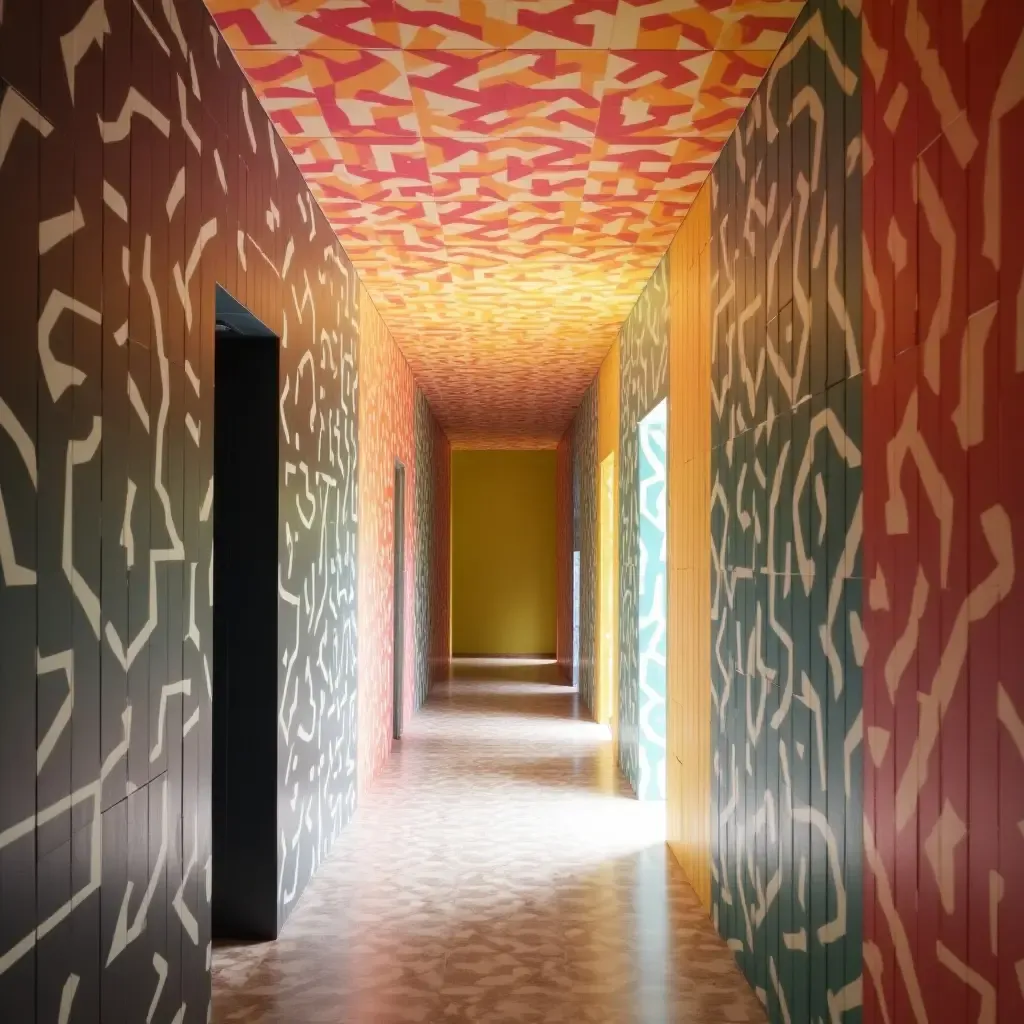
x=505, y=174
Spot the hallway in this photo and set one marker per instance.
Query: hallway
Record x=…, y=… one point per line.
x=498, y=870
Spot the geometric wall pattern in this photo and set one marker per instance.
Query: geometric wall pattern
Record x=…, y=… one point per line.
x=504, y=176
x=584, y=468
x=137, y=171
x=564, y=540
x=386, y=435
x=431, y=583
x=440, y=650
x=643, y=383
x=943, y=233
x=787, y=636
x=652, y=601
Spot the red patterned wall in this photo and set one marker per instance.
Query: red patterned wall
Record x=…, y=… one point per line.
x=563, y=553
x=386, y=433
x=441, y=565
x=943, y=144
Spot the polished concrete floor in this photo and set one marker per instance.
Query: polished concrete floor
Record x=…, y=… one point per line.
x=497, y=871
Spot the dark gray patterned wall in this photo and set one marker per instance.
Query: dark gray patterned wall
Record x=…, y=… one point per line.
x=643, y=382
x=136, y=171
x=787, y=644
x=424, y=430
x=584, y=469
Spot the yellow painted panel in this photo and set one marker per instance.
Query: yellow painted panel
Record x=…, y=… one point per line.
x=607, y=639
x=503, y=552
x=689, y=549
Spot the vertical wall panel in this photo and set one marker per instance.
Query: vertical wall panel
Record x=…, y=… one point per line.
x=432, y=559
x=441, y=565
x=943, y=391
x=563, y=556
x=608, y=615
x=643, y=382
x=585, y=480
x=786, y=642
x=688, y=797
x=386, y=434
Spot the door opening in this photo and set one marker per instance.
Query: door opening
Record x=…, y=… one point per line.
x=398, y=645
x=244, y=673
x=652, y=603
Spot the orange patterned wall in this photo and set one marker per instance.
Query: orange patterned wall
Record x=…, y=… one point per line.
x=688, y=770
x=563, y=553
x=386, y=433
x=505, y=176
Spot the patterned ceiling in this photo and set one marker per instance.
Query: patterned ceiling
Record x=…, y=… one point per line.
x=505, y=174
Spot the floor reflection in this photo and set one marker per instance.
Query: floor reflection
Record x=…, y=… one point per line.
x=497, y=871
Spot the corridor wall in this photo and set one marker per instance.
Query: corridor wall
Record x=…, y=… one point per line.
x=432, y=550
x=608, y=575
x=386, y=435
x=137, y=171
x=688, y=771
x=943, y=230
x=584, y=490
x=564, y=530
x=643, y=383
x=786, y=525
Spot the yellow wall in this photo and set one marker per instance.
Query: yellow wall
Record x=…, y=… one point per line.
x=608, y=570
x=688, y=798
x=503, y=552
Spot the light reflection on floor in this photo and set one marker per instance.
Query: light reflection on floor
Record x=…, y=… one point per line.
x=498, y=871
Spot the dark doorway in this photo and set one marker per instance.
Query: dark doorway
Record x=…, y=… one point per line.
x=398, y=646
x=245, y=538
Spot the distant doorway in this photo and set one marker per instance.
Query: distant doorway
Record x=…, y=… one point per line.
x=398, y=597
x=245, y=657
x=607, y=674
x=652, y=604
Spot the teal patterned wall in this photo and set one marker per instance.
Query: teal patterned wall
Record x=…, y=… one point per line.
x=787, y=644
x=584, y=472
x=652, y=607
x=423, y=430
x=643, y=382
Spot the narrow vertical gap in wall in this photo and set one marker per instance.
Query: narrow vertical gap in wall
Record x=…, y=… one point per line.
x=244, y=683
x=398, y=618
x=652, y=600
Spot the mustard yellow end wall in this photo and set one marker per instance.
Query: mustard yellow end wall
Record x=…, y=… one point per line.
x=608, y=569
x=503, y=553
x=688, y=771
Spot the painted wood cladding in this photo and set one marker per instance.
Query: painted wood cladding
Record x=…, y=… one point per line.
x=136, y=172
x=786, y=522
x=386, y=435
x=943, y=260
x=563, y=556
x=643, y=382
x=432, y=558
x=584, y=470
x=688, y=773
x=441, y=557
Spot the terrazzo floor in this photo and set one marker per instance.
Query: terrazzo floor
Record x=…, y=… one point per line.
x=497, y=871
